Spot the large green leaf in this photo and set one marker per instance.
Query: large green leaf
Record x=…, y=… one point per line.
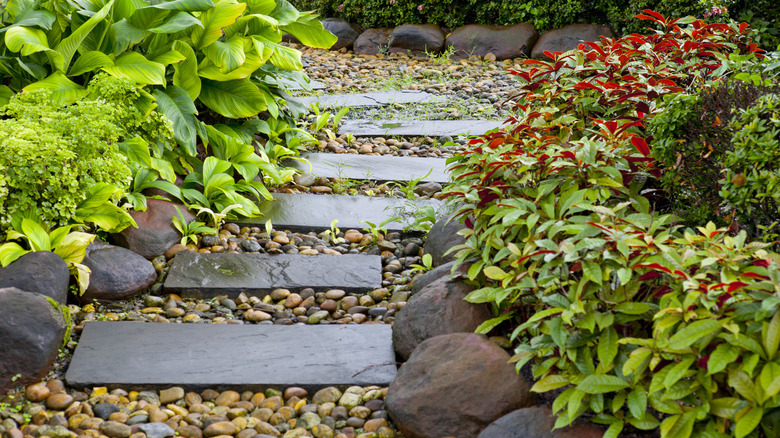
x=126, y=8
x=36, y=235
x=63, y=90
x=169, y=57
x=598, y=384
x=309, y=31
x=286, y=57
x=692, y=333
x=185, y=73
x=90, y=61
x=5, y=95
x=176, y=104
x=223, y=14
x=285, y=13
x=228, y=55
x=176, y=23
x=67, y=47
x=124, y=34
x=234, y=99
x=184, y=5
x=28, y=40
x=134, y=66
x=264, y=7
x=252, y=63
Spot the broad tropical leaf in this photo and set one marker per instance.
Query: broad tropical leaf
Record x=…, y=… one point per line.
x=598, y=384
x=223, y=14
x=263, y=7
x=168, y=58
x=177, y=106
x=90, y=61
x=63, y=90
x=28, y=40
x=176, y=23
x=234, y=99
x=185, y=73
x=692, y=333
x=228, y=55
x=184, y=5
x=135, y=67
x=309, y=31
x=5, y=95
x=67, y=47
x=285, y=13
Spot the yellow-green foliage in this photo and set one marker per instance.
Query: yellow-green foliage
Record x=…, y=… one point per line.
x=50, y=156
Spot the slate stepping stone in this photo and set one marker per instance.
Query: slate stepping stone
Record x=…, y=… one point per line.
x=414, y=128
x=252, y=357
x=308, y=212
x=374, y=167
x=199, y=275
x=374, y=99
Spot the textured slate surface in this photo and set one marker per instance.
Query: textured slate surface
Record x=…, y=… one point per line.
x=139, y=355
x=432, y=128
x=377, y=98
x=374, y=167
x=307, y=212
x=200, y=275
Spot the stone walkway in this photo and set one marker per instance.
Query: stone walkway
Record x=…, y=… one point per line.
x=136, y=355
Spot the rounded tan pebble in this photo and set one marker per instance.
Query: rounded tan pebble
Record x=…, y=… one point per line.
x=255, y=315
x=353, y=236
x=37, y=392
x=247, y=395
x=279, y=294
x=209, y=395
x=298, y=432
x=349, y=302
x=262, y=414
x=191, y=317
x=366, y=300
x=322, y=431
x=226, y=398
x=189, y=431
x=219, y=410
x=119, y=417
x=373, y=425
x=295, y=391
x=385, y=432
x=157, y=415
x=359, y=318
x=240, y=422
x=220, y=428
x=307, y=303
x=299, y=311
x=236, y=412
x=55, y=386
x=267, y=428
x=257, y=399
x=59, y=401
x=246, y=433
x=335, y=294
x=178, y=410
x=301, y=403
x=308, y=251
x=138, y=435
x=243, y=404
x=273, y=403
x=324, y=409
x=292, y=301
x=115, y=429
x=199, y=408
x=76, y=421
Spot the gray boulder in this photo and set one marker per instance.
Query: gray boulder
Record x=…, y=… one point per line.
x=346, y=32
x=537, y=422
x=155, y=233
x=568, y=38
x=372, y=41
x=417, y=38
x=42, y=271
x=505, y=42
x=117, y=273
x=437, y=309
x=454, y=386
x=443, y=236
x=32, y=329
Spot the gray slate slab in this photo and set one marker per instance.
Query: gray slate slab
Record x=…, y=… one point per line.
x=139, y=355
x=378, y=98
x=307, y=212
x=374, y=167
x=199, y=275
x=412, y=128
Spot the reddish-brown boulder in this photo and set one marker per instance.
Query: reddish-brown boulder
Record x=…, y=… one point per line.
x=437, y=309
x=537, y=422
x=417, y=38
x=505, y=42
x=155, y=233
x=454, y=386
x=568, y=38
x=372, y=41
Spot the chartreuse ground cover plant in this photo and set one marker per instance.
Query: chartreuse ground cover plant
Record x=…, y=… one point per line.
x=635, y=320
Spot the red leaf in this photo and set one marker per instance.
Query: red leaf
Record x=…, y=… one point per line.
x=640, y=144
x=654, y=266
x=584, y=85
x=755, y=275
x=764, y=263
x=649, y=276
x=735, y=285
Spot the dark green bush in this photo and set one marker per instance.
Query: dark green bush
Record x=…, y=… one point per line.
x=50, y=156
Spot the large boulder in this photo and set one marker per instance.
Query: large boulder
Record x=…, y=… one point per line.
x=346, y=32
x=568, y=38
x=372, y=41
x=454, y=386
x=417, y=38
x=42, y=271
x=537, y=422
x=437, y=309
x=32, y=329
x=505, y=42
x=155, y=233
x=117, y=273
x=443, y=236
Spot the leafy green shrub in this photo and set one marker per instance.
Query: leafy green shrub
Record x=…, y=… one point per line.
x=613, y=306
x=51, y=155
x=751, y=181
